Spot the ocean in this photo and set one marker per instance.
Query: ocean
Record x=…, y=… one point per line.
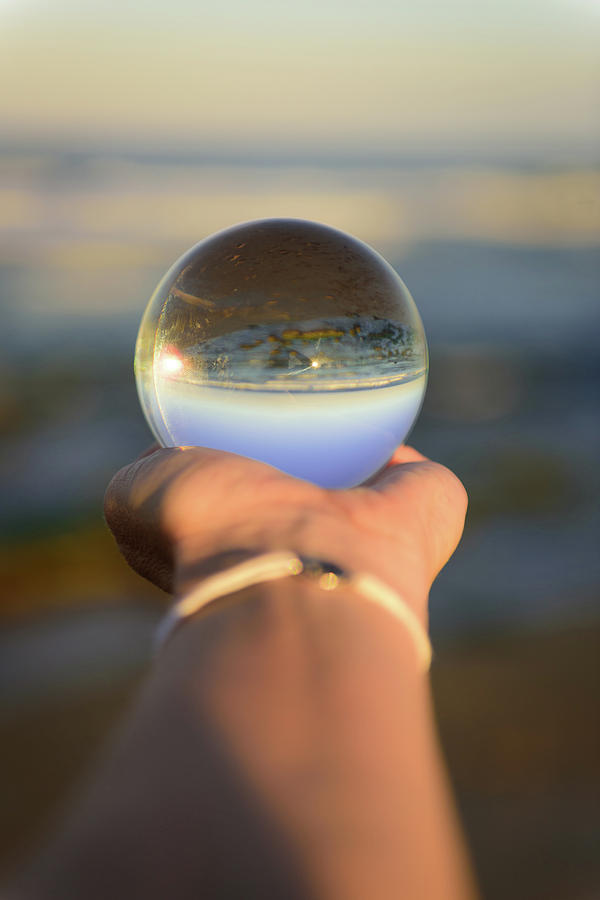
x=512, y=326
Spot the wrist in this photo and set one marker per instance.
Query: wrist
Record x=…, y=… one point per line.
x=252, y=617
x=278, y=566
x=394, y=560
x=214, y=582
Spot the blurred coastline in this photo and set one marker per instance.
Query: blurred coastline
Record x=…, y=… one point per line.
x=502, y=257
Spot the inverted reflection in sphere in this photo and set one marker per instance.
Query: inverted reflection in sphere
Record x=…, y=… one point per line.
x=286, y=341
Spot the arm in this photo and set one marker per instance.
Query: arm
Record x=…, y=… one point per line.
x=284, y=745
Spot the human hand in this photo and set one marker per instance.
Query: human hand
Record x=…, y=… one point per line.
x=174, y=509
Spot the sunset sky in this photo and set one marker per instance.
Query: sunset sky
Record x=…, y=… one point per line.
x=339, y=74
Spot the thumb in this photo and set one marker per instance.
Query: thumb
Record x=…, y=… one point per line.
x=430, y=496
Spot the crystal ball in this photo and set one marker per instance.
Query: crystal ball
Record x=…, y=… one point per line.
x=286, y=341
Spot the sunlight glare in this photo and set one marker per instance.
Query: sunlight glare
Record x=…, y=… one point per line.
x=170, y=364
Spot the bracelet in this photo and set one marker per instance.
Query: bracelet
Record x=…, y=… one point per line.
x=272, y=566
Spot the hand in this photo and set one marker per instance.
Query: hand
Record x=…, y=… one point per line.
x=173, y=509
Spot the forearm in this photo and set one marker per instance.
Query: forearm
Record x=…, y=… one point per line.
x=287, y=734
x=321, y=701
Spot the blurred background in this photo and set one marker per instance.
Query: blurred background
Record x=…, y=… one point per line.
x=461, y=139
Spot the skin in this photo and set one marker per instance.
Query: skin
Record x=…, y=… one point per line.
x=170, y=510
x=284, y=744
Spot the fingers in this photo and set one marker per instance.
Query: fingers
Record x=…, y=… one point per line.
x=149, y=450
x=404, y=454
x=132, y=508
x=428, y=496
x=169, y=499
x=167, y=495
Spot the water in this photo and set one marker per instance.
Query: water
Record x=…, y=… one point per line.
x=335, y=438
x=527, y=310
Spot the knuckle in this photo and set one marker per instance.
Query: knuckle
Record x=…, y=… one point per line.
x=451, y=489
x=115, y=499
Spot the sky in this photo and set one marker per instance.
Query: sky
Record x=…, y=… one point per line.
x=353, y=76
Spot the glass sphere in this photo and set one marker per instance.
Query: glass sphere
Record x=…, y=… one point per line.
x=286, y=341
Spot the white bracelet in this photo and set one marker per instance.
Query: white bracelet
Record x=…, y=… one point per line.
x=271, y=566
